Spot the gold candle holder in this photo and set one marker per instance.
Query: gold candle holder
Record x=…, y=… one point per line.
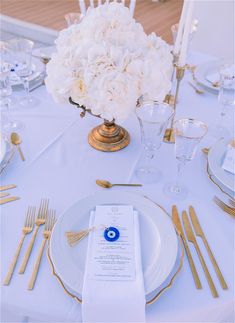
x=169, y=133
x=170, y=98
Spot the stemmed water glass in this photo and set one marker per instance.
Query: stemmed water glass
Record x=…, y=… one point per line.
x=153, y=118
x=188, y=133
x=226, y=97
x=73, y=18
x=8, y=123
x=21, y=50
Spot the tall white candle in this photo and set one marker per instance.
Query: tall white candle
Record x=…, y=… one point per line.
x=186, y=33
x=181, y=27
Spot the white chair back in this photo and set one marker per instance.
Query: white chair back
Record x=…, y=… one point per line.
x=99, y=2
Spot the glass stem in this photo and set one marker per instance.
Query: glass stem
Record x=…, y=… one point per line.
x=180, y=165
x=8, y=117
x=222, y=115
x=26, y=86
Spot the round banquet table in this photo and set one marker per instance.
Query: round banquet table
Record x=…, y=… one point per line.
x=62, y=166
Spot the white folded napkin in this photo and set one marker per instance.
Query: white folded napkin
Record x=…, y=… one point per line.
x=229, y=159
x=115, y=299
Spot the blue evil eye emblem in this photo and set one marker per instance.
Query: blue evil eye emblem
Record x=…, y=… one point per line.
x=111, y=234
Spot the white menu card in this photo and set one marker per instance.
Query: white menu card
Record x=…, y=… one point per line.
x=113, y=260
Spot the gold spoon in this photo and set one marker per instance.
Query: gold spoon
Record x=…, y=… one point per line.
x=197, y=90
x=16, y=140
x=205, y=150
x=107, y=184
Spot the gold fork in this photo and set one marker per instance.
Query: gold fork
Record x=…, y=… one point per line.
x=27, y=228
x=40, y=220
x=50, y=221
x=226, y=208
x=232, y=202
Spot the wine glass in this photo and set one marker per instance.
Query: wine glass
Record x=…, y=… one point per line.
x=153, y=118
x=226, y=98
x=21, y=50
x=188, y=133
x=73, y=18
x=8, y=123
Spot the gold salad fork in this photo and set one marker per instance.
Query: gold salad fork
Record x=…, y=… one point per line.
x=50, y=221
x=225, y=207
x=27, y=228
x=40, y=220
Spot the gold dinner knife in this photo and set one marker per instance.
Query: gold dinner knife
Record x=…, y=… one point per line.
x=200, y=233
x=9, y=199
x=191, y=238
x=7, y=187
x=177, y=223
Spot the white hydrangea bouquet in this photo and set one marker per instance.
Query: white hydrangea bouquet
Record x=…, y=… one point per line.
x=107, y=62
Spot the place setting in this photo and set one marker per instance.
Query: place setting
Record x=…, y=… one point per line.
x=113, y=227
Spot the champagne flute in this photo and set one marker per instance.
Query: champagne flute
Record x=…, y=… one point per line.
x=153, y=119
x=188, y=134
x=21, y=50
x=226, y=96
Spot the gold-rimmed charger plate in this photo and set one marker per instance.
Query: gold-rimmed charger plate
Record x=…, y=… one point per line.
x=154, y=293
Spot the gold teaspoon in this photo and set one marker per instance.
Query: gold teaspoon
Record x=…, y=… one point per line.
x=16, y=140
x=107, y=184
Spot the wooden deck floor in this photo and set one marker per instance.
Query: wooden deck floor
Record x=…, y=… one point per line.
x=154, y=16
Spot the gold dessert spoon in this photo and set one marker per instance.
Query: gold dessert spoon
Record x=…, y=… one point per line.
x=107, y=184
x=206, y=150
x=16, y=140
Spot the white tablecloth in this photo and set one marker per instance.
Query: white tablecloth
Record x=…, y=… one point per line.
x=62, y=166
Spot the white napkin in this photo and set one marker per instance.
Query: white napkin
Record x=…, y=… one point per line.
x=229, y=160
x=114, y=301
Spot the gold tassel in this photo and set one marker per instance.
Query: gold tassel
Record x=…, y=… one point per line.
x=74, y=237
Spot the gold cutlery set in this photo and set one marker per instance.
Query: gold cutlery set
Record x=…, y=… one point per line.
x=3, y=195
x=228, y=208
x=44, y=217
x=192, y=238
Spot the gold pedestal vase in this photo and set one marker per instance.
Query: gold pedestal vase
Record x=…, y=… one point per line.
x=108, y=136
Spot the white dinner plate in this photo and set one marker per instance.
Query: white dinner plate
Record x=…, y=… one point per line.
x=3, y=147
x=215, y=159
x=38, y=69
x=159, y=243
x=204, y=70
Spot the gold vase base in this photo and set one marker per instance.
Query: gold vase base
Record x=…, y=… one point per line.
x=169, y=136
x=109, y=137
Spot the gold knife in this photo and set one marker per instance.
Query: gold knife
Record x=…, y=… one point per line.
x=200, y=233
x=191, y=238
x=4, y=194
x=7, y=187
x=9, y=199
x=176, y=221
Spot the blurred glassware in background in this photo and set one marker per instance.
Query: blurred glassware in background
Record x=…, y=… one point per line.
x=226, y=97
x=8, y=124
x=174, y=30
x=21, y=51
x=153, y=118
x=73, y=18
x=188, y=134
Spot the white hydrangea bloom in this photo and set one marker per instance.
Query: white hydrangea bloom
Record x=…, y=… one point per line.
x=107, y=62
